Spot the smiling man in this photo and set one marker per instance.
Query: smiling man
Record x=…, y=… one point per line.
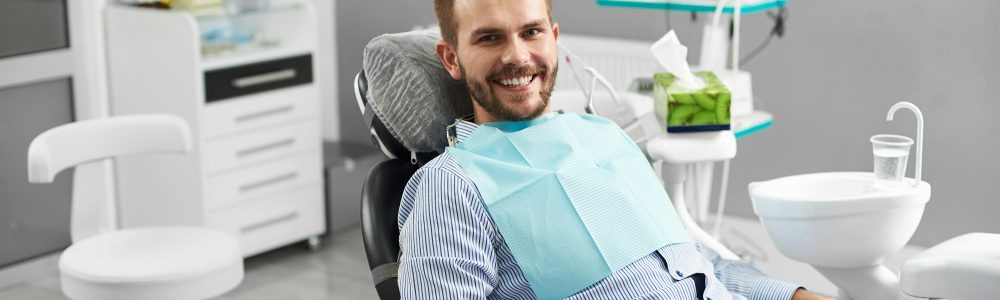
x=531, y=204
x=505, y=52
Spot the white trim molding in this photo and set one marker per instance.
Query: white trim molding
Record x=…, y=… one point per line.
x=36, y=67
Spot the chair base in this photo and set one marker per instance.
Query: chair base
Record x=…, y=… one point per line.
x=201, y=287
x=152, y=263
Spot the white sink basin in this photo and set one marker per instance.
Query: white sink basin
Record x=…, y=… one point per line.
x=831, y=194
x=842, y=225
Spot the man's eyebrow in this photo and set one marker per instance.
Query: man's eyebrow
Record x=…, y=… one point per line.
x=535, y=23
x=494, y=30
x=486, y=30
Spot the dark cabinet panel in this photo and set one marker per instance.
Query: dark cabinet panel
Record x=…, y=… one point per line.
x=34, y=218
x=28, y=26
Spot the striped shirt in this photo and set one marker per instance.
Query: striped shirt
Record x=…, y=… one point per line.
x=451, y=249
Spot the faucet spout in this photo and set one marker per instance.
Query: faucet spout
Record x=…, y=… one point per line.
x=920, y=131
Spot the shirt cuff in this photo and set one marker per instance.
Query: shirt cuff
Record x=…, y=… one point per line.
x=770, y=289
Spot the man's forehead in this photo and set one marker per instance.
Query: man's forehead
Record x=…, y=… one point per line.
x=475, y=14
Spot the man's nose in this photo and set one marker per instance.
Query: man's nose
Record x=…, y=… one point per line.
x=516, y=53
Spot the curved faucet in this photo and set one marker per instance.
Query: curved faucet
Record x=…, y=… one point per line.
x=920, y=131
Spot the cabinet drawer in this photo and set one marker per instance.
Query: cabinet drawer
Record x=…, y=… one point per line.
x=258, y=77
x=230, y=188
x=274, y=143
x=260, y=110
x=273, y=221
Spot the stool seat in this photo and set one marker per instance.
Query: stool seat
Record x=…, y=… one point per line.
x=152, y=263
x=964, y=267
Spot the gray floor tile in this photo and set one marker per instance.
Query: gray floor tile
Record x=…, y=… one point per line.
x=337, y=270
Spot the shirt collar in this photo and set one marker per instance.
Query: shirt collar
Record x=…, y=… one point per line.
x=461, y=130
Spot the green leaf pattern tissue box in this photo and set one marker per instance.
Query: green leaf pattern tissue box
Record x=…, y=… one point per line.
x=687, y=110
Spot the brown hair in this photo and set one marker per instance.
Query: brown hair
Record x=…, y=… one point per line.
x=445, y=10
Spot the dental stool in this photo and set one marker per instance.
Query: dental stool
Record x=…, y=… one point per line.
x=151, y=263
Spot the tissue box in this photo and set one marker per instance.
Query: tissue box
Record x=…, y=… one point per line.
x=686, y=110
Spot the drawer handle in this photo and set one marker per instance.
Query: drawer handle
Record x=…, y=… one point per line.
x=268, y=222
x=265, y=147
x=266, y=182
x=263, y=113
x=265, y=78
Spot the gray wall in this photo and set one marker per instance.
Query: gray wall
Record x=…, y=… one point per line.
x=829, y=83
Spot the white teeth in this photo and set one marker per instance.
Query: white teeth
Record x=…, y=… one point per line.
x=516, y=82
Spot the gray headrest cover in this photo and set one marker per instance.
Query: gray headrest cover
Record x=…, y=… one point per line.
x=411, y=92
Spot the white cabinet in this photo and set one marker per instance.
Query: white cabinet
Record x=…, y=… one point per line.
x=256, y=168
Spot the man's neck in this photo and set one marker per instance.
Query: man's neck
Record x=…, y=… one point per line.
x=481, y=116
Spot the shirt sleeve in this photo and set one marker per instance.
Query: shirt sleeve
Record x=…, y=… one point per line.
x=746, y=280
x=445, y=240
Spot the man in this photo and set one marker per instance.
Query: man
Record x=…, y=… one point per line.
x=453, y=244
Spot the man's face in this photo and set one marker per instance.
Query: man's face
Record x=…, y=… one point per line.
x=506, y=54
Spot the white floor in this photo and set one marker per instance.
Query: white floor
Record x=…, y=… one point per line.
x=337, y=270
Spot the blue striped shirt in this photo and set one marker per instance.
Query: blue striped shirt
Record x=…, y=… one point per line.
x=451, y=249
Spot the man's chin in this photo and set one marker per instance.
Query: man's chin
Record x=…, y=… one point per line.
x=528, y=111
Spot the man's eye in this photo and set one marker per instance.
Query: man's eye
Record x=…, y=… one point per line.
x=488, y=38
x=532, y=32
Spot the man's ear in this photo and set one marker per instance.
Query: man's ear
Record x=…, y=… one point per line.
x=555, y=30
x=450, y=59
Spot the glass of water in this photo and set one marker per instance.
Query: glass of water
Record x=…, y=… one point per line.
x=891, y=152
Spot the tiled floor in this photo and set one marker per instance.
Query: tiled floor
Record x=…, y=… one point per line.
x=338, y=270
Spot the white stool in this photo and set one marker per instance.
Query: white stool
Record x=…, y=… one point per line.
x=152, y=263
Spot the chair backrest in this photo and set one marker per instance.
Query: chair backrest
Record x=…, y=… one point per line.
x=379, y=209
x=86, y=144
x=407, y=99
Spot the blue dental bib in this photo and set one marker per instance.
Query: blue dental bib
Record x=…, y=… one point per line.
x=572, y=195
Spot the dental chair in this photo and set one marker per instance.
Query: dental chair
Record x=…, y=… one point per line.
x=150, y=263
x=408, y=100
x=407, y=110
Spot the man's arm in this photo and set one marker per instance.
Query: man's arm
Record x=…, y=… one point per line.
x=746, y=280
x=445, y=240
x=803, y=294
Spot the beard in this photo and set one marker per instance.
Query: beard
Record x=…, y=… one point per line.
x=482, y=94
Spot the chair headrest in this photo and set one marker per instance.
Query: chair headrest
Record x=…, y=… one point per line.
x=410, y=92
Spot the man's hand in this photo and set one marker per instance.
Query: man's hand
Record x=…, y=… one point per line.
x=803, y=294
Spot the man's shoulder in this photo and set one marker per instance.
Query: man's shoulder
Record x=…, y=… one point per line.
x=439, y=183
x=442, y=170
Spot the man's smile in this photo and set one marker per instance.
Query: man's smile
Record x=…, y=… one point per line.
x=516, y=84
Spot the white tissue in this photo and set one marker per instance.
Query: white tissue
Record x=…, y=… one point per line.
x=673, y=57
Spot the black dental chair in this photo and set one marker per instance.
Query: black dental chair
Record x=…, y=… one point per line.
x=384, y=91
x=379, y=205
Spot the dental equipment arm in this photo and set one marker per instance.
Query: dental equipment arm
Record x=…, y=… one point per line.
x=920, y=132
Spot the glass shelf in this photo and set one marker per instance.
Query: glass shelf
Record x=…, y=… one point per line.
x=707, y=6
x=270, y=9
x=263, y=33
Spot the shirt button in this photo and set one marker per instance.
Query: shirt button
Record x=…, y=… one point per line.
x=679, y=273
